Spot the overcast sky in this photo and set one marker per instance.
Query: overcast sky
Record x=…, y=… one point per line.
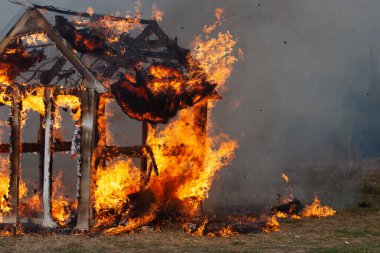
x=306, y=87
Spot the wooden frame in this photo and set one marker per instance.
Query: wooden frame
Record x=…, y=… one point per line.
x=91, y=93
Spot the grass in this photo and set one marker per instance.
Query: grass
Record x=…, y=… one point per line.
x=353, y=231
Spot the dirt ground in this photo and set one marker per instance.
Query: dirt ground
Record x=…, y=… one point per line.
x=351, y=231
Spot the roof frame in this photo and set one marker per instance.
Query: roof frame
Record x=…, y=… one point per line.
x=33, y=21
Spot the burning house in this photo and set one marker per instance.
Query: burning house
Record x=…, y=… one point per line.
x=53, y=58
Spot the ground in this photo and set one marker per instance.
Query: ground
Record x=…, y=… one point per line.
x=356, y=230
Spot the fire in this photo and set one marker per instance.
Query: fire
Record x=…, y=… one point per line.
x=133, y=223
x=67, y=101
x=114, y=27
x=114, y=184
x=281, y=215
x=317, y=210
x=4, y=187
x=219, y=15
x=224, y=232
x=61, y=205
x=271, y=225
x=4, y=74
x=90, y=11
x=166, y=79
x=35, y=39
x=285, y=177
x=33, y=100
x=156, y=13
x=182, y=174
x=215, y=54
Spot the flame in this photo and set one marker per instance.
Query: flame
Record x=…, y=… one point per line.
x=91, y=43
x=224, y=232
x=90, y=11
x=134, y=223
x=12, y=230
x=69, y=101
x=35, y=39
x=31, y=206
x=201, y=228
x=61, y=205
x=271, y=225
x=215, y=54
x=285, y=177
x=114, y=184
x=219, y=15
x=188, y=159
x=166, y=79
x=114, y=28
x=281, y=215
x=4, y=187
x=4, y=74
x=156, y=13
x=317, y=210
x=182, y=174
x=33, y=100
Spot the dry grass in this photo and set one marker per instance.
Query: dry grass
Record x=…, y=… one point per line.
x=357, y=231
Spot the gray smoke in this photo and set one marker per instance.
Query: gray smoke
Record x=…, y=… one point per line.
x=308, y=87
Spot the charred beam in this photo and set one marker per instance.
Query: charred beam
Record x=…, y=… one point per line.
x=35, y=147
x=48, y=76
x=15, y=157
x=144, y=159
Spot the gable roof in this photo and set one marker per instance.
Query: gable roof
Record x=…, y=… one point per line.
x=151, y=77
x=33, y=21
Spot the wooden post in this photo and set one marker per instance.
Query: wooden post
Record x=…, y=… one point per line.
x=41, y=142
x=48, y=151
x=144, y=159
x=87, y=134
x=15, y=158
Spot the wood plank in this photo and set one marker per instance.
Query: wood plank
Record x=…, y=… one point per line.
x=48, y=220
x=144, y=159
x=41, y=142
x=48, y=76
x=36, y=147
x=87, y=136
x=15, y=160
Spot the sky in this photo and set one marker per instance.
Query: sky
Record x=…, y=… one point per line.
x=307, y=88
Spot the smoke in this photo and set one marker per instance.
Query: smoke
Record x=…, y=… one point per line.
x=306, y=93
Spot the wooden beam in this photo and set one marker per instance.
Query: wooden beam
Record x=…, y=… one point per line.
x=15, y=160
x=144, y=159
x=48, y=76
x=87, y=137
x=36, y=147
x=41, y=142
x=48, y=220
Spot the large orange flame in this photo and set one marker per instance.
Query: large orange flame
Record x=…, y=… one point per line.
x=317, y=210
